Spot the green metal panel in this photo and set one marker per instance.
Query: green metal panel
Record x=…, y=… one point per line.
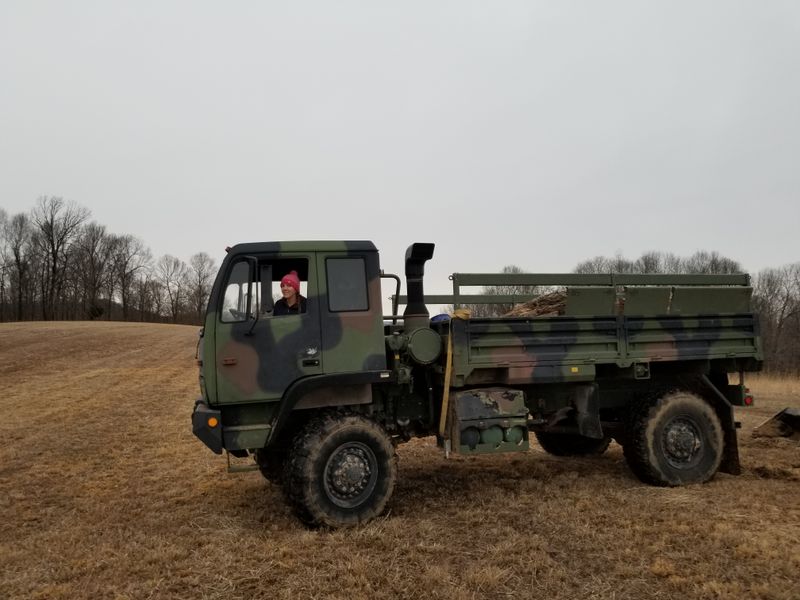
x=303, y=246
x=648, y=303
x=660, y=279
x=706, y=300
x=684, y=338
x=472, y=298
x=511, y=351
x=243, y=437
x=647, y=300
x=514, y=351
x=585, y=301
x=554, y=339
x=608, y=279
x=480, y=279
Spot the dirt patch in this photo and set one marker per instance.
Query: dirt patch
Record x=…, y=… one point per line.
x=106, y=494
x=769, y=472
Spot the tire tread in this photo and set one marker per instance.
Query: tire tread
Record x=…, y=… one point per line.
x=298, y=475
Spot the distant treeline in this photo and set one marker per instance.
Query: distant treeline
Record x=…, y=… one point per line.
x=57, y=264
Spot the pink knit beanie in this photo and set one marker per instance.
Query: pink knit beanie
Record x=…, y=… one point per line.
x=293, y=280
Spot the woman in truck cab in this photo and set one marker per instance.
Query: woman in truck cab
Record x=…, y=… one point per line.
x=292, y=302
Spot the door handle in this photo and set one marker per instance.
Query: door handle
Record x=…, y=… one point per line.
x=311, y=362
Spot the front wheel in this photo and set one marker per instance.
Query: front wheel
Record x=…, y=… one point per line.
x=340, y=471
x=676, y=439
x=270, y=463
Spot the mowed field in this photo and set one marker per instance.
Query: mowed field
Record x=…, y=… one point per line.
x=105, y=493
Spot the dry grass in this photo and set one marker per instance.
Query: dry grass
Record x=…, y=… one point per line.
x=546, y=305
x=106, y=494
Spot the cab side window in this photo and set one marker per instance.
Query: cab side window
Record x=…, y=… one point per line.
x=260, y=277
x=287, y=300
x=347, y=284
x=235, y=301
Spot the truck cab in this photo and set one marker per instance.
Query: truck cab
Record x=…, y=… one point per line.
x=253, y=358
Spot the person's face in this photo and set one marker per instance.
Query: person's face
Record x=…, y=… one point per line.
x=288, y=291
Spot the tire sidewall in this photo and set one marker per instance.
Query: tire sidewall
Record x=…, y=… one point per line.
x=352, y=429
x=686, y=406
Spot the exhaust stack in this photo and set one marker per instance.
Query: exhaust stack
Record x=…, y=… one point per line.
x=416, y=313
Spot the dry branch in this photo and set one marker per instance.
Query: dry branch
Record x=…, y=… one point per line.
x=548, y=305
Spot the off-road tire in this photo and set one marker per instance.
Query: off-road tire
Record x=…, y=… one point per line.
x=571, y=444
x=270, y=464
x=340, y=470
x=674, y=439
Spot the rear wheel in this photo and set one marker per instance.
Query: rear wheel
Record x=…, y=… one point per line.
x=571, y=444
x=340, y=470
x=676, y=439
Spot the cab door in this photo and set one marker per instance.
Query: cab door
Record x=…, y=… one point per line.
x=351, y=311
x=259, y=355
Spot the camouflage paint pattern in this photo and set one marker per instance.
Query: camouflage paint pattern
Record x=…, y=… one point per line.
x=247, y=367
x=490, y=420
x=518, y=350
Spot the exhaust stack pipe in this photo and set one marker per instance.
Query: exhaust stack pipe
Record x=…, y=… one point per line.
x=416, y=313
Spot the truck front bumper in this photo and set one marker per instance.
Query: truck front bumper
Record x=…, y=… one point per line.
x=207, y=425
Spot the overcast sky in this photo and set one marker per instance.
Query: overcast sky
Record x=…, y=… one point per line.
x=530, y=133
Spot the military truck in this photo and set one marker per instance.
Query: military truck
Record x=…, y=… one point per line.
x=321, y=399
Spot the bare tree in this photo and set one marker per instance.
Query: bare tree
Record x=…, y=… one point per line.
x=201, y=276
x=18, y=235
x=777, y=301
x=711, y=262
x=4, y=262
x=94, y=257
x=159, y=298
x=661, y=262
x=130, y=256
x=598, y=264
x=497, y=309
x=172, y=273
x=58, y=224
x=144, y=294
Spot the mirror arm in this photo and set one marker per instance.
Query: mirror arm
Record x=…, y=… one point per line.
x=253, y=261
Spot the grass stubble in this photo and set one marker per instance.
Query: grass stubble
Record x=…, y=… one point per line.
x=105, y=493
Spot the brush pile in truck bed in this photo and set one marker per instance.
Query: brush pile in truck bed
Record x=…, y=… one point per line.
x=547, y=305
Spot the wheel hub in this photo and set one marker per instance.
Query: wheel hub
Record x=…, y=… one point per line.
x=350, y=474
x=682, y=442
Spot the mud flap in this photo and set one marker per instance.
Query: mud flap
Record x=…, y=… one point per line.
x=730, y=457
x=587, y=404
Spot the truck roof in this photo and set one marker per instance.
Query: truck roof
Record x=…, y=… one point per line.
x=305, y=246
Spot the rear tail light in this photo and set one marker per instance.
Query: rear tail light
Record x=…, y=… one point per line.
x=748, y=397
